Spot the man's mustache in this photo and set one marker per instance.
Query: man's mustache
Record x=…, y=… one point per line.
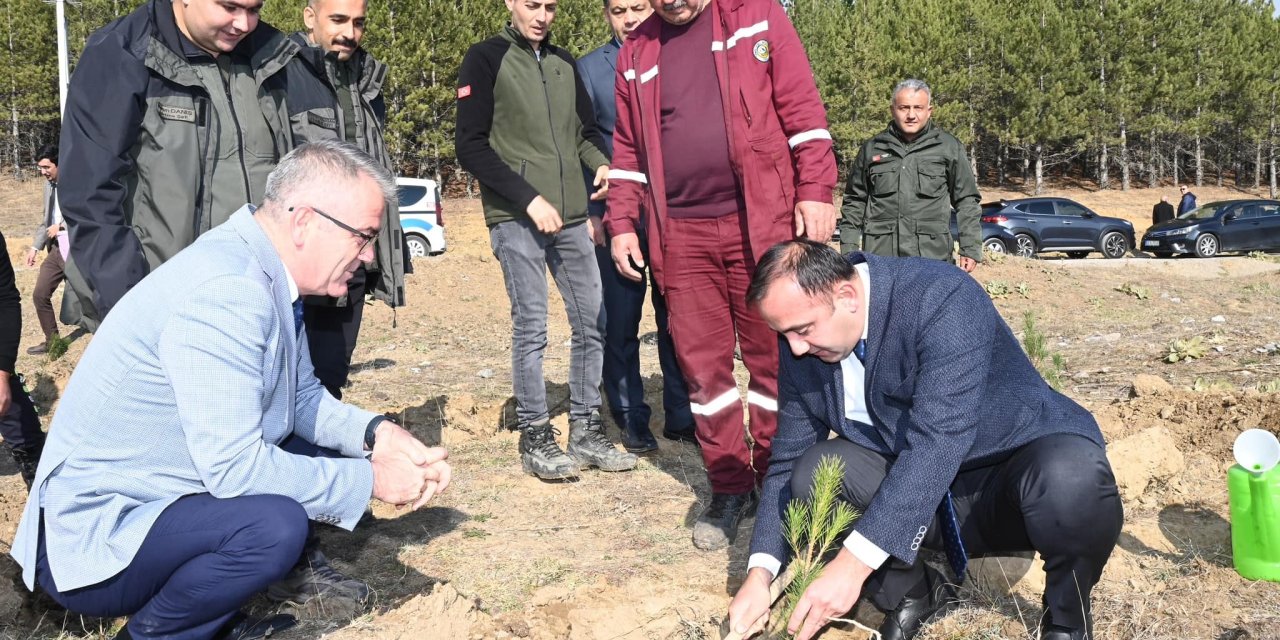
x=675, y=6
x=346, y=42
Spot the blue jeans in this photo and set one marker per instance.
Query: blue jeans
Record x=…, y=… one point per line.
x=623, y=385
x=525, y=255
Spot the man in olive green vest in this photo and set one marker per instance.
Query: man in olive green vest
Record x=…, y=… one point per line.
x=904, y=184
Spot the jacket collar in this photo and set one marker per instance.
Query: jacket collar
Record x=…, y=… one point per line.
x=878, y=313
x=509, y=32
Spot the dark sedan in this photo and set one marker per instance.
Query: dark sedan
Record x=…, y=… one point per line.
x=1229, y=225
x=1058, y=224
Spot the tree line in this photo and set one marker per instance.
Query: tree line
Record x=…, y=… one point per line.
x=1117, y=92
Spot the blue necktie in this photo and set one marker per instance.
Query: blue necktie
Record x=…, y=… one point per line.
x=297, y=317
x=951, y=541
x=860, y=350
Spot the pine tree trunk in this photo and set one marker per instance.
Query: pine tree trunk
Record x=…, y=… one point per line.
x=1002, y=156
x=1174, y=165
x=1039, y=168
x=1199, y=158
x=1104, y=177
x=13, y=100
x=1257, y=164
x=1154, y=171
x=1124, y=157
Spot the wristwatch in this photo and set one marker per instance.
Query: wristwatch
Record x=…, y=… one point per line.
x=371, y=431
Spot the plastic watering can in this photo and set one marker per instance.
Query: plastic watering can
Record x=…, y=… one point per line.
x=1253, y=485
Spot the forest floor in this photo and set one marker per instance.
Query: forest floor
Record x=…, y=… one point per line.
x=503, y=555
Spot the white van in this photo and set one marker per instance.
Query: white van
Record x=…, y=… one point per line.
x=422, y=216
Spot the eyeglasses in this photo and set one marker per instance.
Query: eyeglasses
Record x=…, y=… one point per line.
x=365, y=238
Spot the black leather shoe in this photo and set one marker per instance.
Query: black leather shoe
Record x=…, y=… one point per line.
x=680, y=435
x=242, y=627
x=904, y=622
x=1054, y=632
x=638, y=438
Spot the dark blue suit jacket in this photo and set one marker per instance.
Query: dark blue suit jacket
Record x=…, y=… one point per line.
x=598, y=69
x=948, y=388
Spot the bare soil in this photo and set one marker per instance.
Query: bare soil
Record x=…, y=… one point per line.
x=503, y=555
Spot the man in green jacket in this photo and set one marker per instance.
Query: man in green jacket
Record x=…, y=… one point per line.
x=904, y=184
x=526, y=128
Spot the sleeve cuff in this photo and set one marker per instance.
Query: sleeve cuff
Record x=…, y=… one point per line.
x=766, y=562
x=865, y=550
x=814, y=193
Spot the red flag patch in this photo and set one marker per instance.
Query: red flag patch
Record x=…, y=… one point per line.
x=464, y=92
x=873, y=159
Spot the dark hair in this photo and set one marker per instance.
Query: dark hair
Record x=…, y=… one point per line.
x=48, y=152
x=816, y=267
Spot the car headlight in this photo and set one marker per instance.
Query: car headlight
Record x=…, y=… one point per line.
x=1178, y=232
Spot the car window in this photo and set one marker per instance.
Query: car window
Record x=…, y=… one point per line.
x=1206, y=212
x=1039, y=207
x=1267, y=210
x=1247, y=211
x=410, y=194
x=1066, y=208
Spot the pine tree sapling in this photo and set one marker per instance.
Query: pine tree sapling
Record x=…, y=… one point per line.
x=813, y=529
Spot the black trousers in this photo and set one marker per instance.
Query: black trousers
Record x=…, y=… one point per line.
x=1055, y=495
x=332, y=332
x=20, y=426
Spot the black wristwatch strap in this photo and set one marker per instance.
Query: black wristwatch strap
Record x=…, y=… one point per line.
x=371, y=430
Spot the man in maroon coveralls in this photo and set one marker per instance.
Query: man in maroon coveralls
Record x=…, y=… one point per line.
x=722, y=143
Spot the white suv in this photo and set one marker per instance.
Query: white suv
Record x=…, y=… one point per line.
x=422, y=216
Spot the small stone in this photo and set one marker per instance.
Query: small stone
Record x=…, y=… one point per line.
x=1219, y=349
x=485, y=373
x=1145, y=384
x=1166, y=413
x=1175, y=299
x=484, y=257
x=1218, y=319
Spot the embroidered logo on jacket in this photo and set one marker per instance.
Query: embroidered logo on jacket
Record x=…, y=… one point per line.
x=321, y=121
x=464, y=92
x=761, y=50
x=181, y=114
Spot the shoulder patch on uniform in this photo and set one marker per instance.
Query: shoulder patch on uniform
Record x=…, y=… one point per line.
x=464, y=91
x=182, y=114
x=761, y=50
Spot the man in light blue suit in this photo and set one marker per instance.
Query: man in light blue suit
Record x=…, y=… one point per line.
x=950, y=439
x=167, y=491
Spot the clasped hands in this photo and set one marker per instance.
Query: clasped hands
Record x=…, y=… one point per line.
x=405, y=471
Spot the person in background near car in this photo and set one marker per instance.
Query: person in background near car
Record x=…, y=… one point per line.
x=523, y=117
x=19, y=423
x=174, y=118
x=950, y=440
x=904, y=183
x=624, y=298
x=723, y=153
x=1188, y=202
x=51, y=235
x=1162, y=211
x=335, y=93
x=217, y=445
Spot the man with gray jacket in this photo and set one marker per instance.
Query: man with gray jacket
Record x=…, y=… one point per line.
x=335, y=93
x=175, y=116
x=51, y=235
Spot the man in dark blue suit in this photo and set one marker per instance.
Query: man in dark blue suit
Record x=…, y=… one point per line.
x=623, y=298
x=949, y=436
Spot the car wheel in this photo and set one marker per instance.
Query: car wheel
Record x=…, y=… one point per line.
x=418, y=247
x=1114, y=245
x=1026, y=246
x=1076, y=255
x=995, y=245
x=1207, y=246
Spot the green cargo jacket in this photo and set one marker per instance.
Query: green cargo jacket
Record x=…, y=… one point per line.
x=899, y=197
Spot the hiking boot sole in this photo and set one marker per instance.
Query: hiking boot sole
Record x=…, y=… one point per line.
x=559, y=473
x=586, y=463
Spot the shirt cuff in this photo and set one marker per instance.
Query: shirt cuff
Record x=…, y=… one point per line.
x=765, y=561
x=865, y=550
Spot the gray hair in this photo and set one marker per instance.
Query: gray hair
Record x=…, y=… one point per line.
x=913, y=85
x=322, y=164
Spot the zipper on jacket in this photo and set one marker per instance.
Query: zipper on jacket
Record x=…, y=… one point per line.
x=523, y=164
x=204, y=105
x=235, y=120
x=552, y=126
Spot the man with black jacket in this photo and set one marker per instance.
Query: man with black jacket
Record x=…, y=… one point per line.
x=19, y=424
x=335, y=93
x=174, y=118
